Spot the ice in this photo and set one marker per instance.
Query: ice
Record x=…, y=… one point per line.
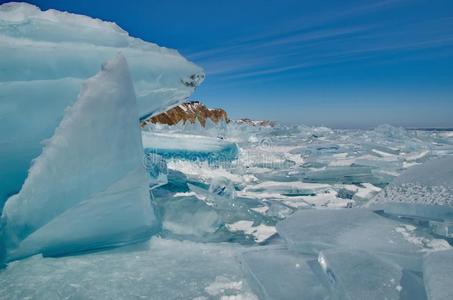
x=280, y=274
x=223, y=187
x=341, y=174
x=444, y=229
x=45, y=58
x=289, y=187
x=157, y=169
x=159, y=269
x=260, y=233
x=424, y=191
x=311, y=231
x=186, y=217
x=437, y=270
x=88, y=189
x=190, y=147
x=355, y=274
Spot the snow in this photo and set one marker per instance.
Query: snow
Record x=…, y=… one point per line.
x=261, y=233
x=89, y=175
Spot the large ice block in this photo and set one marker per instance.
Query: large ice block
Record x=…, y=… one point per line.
x=437, y=270
x=280, y=274
x=88, y=189
x=46, y=55
x=311, y=231
x=186, y=217
x=356, y=274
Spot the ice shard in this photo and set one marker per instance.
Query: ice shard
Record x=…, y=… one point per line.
x=89, y=188
x=437, y=270
x=46, y=55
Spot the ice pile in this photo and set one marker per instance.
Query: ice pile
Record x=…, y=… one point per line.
x=45, y=56
x=88, y=189
x=263, y=226
x=241, y=211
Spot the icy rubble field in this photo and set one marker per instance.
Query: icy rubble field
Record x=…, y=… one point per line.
x=282, y=169
x=230, y=211
x=292, y=215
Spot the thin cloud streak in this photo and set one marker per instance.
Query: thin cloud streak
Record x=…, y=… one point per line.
x=305, y=50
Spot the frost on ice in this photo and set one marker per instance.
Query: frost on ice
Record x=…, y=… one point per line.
x=88, y=189
x=424, y=191
x=46, y=55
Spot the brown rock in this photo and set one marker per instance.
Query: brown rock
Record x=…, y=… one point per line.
x=189, y=111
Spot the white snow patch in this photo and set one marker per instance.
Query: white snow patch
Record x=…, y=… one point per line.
x=261, y=232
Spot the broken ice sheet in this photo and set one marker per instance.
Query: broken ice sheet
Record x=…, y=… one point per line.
x=159, y=269
x=424, y=191
x=355, y=274
x=437, y=270
x=186, y=217
x=311, y=231
x=275, y=273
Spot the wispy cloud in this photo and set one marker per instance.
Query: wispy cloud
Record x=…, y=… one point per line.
x=318, y=40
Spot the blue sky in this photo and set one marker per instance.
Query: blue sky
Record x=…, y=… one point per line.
x=337, y=63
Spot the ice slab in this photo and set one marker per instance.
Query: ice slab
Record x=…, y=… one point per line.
x=46, y=56
x=424, y=191
x=189, y=147
x=354, y=174
x=88, y=189
x=280, y=274
x=186, y=217
x=293, y=188
x=159, y=269
x=311, y=231
x=356, y=274
x=437, y=270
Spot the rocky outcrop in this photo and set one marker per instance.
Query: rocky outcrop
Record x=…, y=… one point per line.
x=264, y=123
x=188, y=112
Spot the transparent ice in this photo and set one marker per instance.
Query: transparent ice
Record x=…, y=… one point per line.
x=45, y=57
